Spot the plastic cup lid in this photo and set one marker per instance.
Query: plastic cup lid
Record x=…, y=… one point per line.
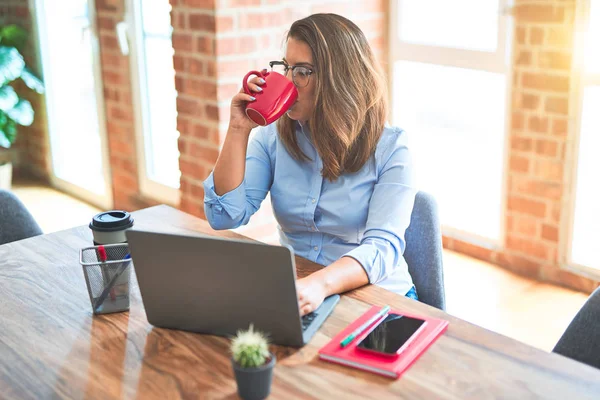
x=110, y=221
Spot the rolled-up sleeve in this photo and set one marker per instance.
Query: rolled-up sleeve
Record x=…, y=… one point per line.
x=234, y=208
x=382, y=246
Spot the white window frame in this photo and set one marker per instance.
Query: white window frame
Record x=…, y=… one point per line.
x=496, y=62
x=579, y=80
x=148, y=187
x=40, y=41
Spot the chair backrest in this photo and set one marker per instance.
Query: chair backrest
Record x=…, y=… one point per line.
x=424, y=251
x=16, y=222
x=581, y=339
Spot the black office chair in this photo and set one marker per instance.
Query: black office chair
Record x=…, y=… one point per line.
x=581, y=339
x=16, y=222
x=424, y=251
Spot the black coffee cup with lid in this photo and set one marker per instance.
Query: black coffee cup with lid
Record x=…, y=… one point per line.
x=109, y=227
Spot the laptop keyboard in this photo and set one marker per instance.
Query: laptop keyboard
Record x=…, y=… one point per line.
x=307, y=319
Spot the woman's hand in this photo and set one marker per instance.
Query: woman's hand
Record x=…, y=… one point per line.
x=311, y=293
x=238, y=120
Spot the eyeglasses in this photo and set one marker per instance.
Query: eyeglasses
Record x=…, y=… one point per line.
x=300, y=73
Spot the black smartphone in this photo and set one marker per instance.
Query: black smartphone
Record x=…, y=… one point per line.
x=392, y=335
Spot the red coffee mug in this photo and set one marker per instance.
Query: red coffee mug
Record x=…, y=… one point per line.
x=277, y=96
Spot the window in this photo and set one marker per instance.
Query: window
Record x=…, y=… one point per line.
x=586, y=215
x=154, y=75
x=450, y=79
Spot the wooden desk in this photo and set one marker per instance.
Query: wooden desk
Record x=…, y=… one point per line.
x=51, y=346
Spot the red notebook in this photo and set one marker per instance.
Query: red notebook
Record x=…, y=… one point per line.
x=383, y=365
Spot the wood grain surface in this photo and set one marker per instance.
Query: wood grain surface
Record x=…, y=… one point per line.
x=51, y=345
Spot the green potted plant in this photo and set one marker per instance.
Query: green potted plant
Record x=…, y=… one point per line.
x=252, y=364
x=14, y=110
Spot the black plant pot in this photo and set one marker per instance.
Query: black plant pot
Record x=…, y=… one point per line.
x=254, y=383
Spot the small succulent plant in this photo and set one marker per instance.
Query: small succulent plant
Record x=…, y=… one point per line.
x=250, y=348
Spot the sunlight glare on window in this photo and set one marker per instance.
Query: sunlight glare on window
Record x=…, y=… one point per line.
x=586, y=229
x=461, y=24
x=592, y=40
x=160, y=131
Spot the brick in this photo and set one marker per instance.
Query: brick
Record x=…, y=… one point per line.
x=212, y=112
x=520, y=34
x=550, y=232
x=536, y=35
x=517, y=120
x=527, y=246
x=204, y=89
x=519, y=164
x=200, y=4
x=111, y=60
x=472, y=250
x=520, y=264
x=179, y=63
x=560, y=127
x=106, y=23
x=224, y=23
x=525, y=226
x=549, y=170
x=559, y=60
x=521, y=143
x=195, y=67
x=244, y=3
x=560, y=37
x=108, y=5
x=542, y=81
x=226, y=46
x=109, y=42
x=529, y=101
x=202, y=22
x=191, y=206
x=206, y=45
x=121, y=113
x=570, y=280
x=201, y=131
x=526, y=206
x=538, y=13
x=192, y=169
x=523, y=58
x=187, y=106
x=112, y=78
x=546, y=147
x=182, y=42
x=182, y=146
x=537, y=124
x=183, y=126
x=558, y=105
x=202, y=151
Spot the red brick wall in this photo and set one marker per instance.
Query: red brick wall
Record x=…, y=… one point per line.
x=118, y=105
x=30, y=150
x=540, y=137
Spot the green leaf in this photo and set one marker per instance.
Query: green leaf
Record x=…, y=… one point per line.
x=4, y=142
x=11, y=64
x=32, y=81
x=3, y=119
x=22, y=113
x=8, y=98
x=13, y=36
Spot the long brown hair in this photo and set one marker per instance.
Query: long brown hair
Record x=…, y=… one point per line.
x=351, y=95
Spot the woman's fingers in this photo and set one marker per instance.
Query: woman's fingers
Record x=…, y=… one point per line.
x=242, y=97
x=254, y=87
x=306, y=309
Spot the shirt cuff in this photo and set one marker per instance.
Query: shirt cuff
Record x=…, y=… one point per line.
x=233, y=203
x=369, y=258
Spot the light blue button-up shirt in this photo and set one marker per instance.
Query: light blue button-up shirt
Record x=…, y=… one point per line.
x=363, y=215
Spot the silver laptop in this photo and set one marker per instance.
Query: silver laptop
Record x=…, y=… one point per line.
x=217, y=286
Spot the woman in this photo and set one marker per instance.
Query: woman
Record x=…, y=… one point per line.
x=340, y=180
